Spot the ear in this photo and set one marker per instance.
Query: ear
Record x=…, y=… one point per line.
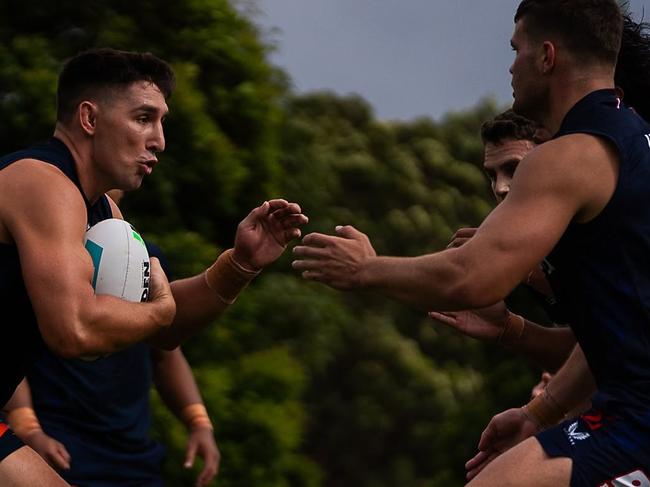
x=547, y=57
x=88, y=117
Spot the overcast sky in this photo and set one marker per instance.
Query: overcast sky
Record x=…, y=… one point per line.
x=406, y=57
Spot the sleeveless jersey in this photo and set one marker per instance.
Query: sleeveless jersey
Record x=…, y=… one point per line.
x=600, y=270
x=100, y=411
x=23, y=343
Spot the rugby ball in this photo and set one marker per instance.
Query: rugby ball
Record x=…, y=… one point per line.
x=120, y=260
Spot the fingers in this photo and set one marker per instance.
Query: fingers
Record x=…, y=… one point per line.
x=56, y=460
x=348, y=231
x=190, y=454
x=64, y=457
x=292, y=220
x=489, y=436
x=210, y=469
x=317, y=240
x=448, y=318
x=479, y=462
x=461, y=236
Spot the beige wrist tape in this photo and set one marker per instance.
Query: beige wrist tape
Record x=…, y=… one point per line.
x=23, y=421
x=227, y=278
x=544, y=410
x=512, y=331
x=196, y=416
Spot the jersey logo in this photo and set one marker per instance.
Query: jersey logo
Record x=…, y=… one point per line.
x=647, y=137
x=632, y=479
x=573, y=435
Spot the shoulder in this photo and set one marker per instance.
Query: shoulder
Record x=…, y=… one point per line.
x=581, y=168
x=34, y=192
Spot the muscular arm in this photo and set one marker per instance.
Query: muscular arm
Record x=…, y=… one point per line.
x=573, y=384
x=261, y=238
x=48, y=228
x=548, y=347
x=548, y=192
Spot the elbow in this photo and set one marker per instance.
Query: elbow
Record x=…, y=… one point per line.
x=71, y=341
x=471, y=293
x=165, y=340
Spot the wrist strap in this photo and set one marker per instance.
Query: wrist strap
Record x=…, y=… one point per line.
x=544, y=410
x=23, y=421
x=228, y=278
x=512, y=331
x=196, y=416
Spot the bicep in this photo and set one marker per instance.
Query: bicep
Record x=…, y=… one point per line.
x=522, y=230
x=48, y=229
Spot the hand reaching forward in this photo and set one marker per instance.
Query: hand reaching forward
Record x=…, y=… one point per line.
x=484, y=323
x=504, y=431
x=264, y=234
x=334, y=260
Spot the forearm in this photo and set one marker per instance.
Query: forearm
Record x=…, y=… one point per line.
x=176, y=385
x=573, y=384
x=447, y=280
x=20, y=413
x=548, y=347
x=103, y=324
x=203, y=298
x=571, y=387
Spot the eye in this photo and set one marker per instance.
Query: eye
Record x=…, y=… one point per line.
x=143, y=119
x=511, y=168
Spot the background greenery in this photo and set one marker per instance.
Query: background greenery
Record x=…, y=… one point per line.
x=307, y=387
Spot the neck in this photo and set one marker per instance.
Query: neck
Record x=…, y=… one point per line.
x=82, y=155
x=566, y=92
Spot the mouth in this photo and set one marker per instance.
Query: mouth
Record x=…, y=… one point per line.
x=148, y=165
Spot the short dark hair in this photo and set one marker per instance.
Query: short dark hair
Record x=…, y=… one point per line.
x=509, y=125
x=589, y=28
x=96, y=70
x=633, y=67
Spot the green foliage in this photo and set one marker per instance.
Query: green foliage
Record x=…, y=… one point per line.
x=307, y=387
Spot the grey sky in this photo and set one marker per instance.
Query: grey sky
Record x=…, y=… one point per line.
x=406, y=57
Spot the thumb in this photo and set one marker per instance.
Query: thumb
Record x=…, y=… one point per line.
x=348, y=231
x=190, y=455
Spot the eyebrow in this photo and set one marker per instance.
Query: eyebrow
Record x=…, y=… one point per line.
x=146, y=108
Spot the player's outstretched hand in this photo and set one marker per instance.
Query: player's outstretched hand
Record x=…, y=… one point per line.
x=335, y=260
x=201, y=442
x=504, y=431
x=483, y=324
x=264, y=234
x=52, y=451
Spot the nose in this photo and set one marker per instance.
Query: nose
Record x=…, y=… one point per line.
x=156, y=142
x=501, y=188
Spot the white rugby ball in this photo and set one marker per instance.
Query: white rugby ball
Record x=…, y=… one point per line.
x=120, y=259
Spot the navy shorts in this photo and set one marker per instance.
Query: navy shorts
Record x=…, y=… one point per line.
x=606, y=451
x=9, y=442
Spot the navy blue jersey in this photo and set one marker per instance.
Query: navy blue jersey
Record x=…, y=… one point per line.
x=100, y=411
x=20, y=331
x=600, y=270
